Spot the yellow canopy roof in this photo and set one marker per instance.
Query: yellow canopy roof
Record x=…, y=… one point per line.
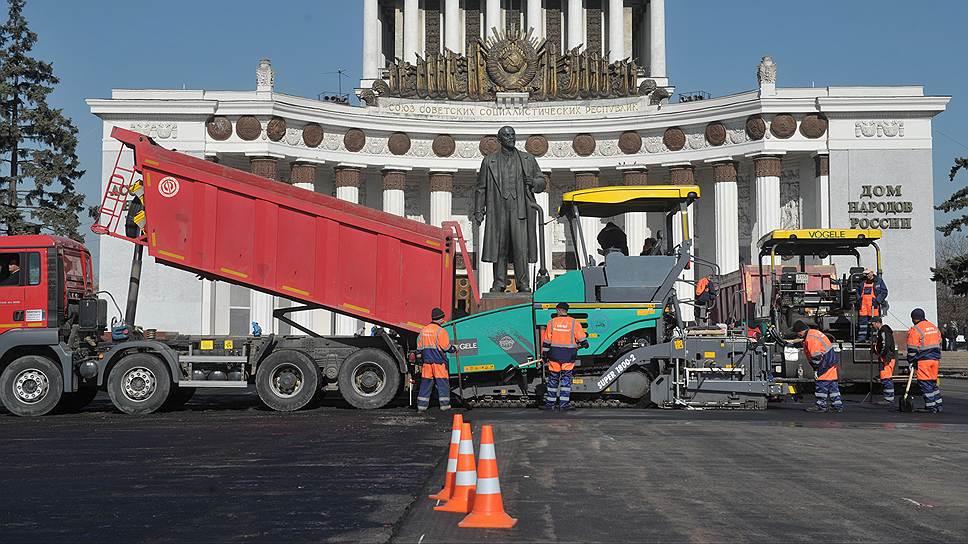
x=619, y=199
x=810, y=241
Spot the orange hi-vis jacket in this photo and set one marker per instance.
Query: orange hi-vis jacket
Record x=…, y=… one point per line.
x=867, y=298
x=560, y=342
x=702, y=286
x=924, y=348
x=820, y=353
x=433, y=343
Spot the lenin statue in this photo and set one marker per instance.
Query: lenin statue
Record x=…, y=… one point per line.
x=504, y=194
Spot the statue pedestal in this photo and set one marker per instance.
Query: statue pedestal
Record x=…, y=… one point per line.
x=493, y=301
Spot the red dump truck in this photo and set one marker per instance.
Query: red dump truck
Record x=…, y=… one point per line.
x=232, y=226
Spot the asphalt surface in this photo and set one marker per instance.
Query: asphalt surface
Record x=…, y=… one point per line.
x=224, y=469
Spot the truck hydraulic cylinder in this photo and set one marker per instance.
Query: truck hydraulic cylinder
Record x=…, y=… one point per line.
x=134, y=282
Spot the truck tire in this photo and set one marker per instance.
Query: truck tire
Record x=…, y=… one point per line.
x=139, y=384
x=72, y=402
x=178, y=397
x=31, y=385
x=369, y=379
x=287, y=380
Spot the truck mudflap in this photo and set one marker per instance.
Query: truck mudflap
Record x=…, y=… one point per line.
x=151, y=346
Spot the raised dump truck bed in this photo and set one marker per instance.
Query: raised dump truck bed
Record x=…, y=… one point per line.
x=234, y=226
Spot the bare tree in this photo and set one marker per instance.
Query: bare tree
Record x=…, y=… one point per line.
x=950, y=305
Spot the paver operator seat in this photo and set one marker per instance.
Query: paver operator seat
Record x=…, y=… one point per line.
x=639, y=278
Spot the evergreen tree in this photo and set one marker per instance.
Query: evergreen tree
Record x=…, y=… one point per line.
x=38, y=142
x=953, y=272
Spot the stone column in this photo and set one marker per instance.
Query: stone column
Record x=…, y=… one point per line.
x=587, y=178
x=262, y=304
x=535, y=20
x=348, y=179
x=616, y=30
x=544, y=200
x=394, y=184
x=441, y=196
x=822, y=171
x=492, y=17
x=371, y=32
x=726, y=216
x=657, y=55
x=767, y=189
x=576, y=24
x=685, y=174
x=636, y=223
x=452, y=26
x=411, y=30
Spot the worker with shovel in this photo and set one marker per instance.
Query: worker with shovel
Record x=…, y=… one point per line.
x=924, y=353
x=886, y=353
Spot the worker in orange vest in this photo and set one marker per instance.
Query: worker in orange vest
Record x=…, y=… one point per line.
x=559, y=346
x=821, y=355
x=705, y=297
x=871, y=295
x=434, y=345
x=924, y=352
x=885, y=350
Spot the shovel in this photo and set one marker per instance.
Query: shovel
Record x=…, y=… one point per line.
x=906, y=404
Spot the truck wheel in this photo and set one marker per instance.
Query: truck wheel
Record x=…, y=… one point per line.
x=178, y=397
x=369, y=379
x=139, y=384
x=72, y=402
x=31, y=386
x=287, y=380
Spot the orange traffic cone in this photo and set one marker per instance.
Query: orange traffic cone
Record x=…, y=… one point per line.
x=466, y=478
x=488, y=509
x=445, y=493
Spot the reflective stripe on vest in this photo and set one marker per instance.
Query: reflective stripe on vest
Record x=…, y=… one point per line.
x=814, y=336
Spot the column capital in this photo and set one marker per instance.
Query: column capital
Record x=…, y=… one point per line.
x=265, y=167
x=441, y=182
x=348, y=176
x=724, y=172
x=635, y=176
x=586, y=179
x=682, y=174
x=766, y=165
x=821, y=164
x=302, y=172
x=394, y=179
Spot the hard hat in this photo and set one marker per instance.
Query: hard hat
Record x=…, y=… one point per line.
x=917, y=314
x=437, y=314
x=562, y=306
x=800, y=326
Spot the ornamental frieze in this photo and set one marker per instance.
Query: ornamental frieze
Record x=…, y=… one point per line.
x=510, y=62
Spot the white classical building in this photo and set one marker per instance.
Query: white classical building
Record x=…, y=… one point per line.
x=584, y=84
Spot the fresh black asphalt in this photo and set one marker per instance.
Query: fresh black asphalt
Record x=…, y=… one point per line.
x=225, y=469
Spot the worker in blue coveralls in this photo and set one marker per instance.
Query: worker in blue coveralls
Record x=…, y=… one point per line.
x=434, y=345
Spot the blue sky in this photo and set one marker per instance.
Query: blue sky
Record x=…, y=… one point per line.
x=714, y=46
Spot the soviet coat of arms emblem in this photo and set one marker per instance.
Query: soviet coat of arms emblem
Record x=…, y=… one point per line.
x=512, y=60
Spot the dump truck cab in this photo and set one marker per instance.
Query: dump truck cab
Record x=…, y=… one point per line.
x=791, y=292
x=49, y=317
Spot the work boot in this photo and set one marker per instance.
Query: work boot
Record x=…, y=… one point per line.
x=568, y=408
x=546, y=407
x=816, y=409
x=421, y=409
x=444, y=408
